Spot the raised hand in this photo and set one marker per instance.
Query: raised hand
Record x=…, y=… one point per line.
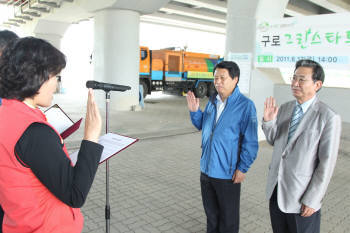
x=270, y=109
x=92, y=120
x=192, y=102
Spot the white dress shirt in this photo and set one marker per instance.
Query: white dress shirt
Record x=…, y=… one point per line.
x=220, y=106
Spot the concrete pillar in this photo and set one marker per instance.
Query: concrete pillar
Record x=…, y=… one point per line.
x=116, y=55
x=52, y=31
x=240, y=38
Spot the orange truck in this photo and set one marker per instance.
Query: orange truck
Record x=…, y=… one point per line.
x=177, y=71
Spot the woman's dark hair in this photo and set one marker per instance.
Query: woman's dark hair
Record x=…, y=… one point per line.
x=25, y=65
x=231, y=67
x=5, y=37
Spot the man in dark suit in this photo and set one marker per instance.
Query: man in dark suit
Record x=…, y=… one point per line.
x=305, y=134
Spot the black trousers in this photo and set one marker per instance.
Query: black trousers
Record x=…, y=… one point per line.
x=292, y=223
x=221, y=204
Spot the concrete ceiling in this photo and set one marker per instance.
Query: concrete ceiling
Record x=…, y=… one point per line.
x=206, y=12
x=206, y=15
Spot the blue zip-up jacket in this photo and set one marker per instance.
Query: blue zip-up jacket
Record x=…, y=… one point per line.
x=237, y=124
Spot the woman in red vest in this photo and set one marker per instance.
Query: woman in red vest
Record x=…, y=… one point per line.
x=40, y=190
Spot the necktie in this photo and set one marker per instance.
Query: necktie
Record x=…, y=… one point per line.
x=297, y=115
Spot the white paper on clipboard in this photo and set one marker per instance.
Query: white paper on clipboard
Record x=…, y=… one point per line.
x=58, y=119
x=113, y=144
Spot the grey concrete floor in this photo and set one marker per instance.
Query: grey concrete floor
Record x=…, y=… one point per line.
x=154, y=184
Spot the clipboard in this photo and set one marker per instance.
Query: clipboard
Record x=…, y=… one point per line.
x=112, y=144
x=61, y=121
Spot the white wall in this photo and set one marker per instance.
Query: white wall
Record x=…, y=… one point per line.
x=336, y=98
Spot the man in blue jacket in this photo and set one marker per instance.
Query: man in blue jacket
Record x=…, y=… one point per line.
x=229, y=147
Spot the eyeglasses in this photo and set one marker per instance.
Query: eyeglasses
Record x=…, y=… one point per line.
x=301, y=81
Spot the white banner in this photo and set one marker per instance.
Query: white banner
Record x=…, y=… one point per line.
x=244, y=62
x=322, y=38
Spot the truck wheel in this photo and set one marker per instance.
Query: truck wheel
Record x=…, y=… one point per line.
x=145, y=88
x=211, y=89
x=201, y=90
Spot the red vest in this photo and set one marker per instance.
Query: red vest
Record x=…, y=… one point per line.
x=28, y=205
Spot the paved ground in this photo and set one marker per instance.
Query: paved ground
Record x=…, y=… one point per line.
x=154, y=184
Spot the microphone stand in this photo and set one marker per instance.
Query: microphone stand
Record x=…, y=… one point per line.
x=107, y=207
x=107, y=88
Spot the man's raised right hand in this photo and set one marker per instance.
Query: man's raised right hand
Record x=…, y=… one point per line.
x=270, y=109
x=192, y=102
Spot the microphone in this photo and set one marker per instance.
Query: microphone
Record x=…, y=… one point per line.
x=106, y=86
